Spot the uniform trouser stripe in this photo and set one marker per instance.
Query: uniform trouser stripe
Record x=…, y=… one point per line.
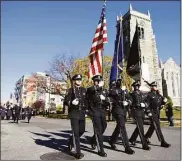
x=97, y=125
x=74, y=141
x=122, y=138
x=140, y=133
x=95, y=135
x=97, y=141
x=156, y=129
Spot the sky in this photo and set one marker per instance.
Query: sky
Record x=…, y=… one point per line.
x=32, y=33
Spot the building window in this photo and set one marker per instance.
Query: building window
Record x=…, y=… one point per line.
x=178, y=84
x=173, y=87
x=52, y=100
x=140, y=32
x=143, y=59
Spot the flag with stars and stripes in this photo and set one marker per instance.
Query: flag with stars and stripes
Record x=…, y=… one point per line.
x=100, y=38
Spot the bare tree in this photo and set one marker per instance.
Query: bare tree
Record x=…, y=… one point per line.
x=61, y=67
x=47, y=84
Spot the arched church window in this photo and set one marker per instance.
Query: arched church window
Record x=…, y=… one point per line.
x=139, y=32
x=142, y=33
x=143, y=59
x=173, y=87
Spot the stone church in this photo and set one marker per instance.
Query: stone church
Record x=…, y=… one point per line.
x=171, y=80
x=147, y=45
x=152, y=69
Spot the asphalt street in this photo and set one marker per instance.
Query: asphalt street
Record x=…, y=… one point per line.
x=42, y=136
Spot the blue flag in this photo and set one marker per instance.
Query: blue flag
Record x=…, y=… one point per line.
x=118, y=54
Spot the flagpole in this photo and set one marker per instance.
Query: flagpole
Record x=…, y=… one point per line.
x=117, y=50
x=140, y=61
x=121, y=19
x=102, y=52
x=118, y=45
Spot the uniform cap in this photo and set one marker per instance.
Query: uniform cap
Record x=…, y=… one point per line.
x=119, y=78
x=97, y=78
x=77, y=77
x=136, y=84
x=153, y=84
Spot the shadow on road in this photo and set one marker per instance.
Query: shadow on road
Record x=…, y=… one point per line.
x=148, y=144
x=25, y=122
x=44, y=135
x=57, y=144
x=60, y=144
x=11, y=122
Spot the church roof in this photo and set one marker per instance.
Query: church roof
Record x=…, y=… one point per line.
x=131, y=11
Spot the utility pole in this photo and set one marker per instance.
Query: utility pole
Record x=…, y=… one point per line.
x=49, y=91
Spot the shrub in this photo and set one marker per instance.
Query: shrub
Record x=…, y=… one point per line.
x=58, y=116
x=169, y=101
x=59, y=108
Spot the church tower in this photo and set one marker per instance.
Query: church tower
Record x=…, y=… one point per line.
x=147, y=44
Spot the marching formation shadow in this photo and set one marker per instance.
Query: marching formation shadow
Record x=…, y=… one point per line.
x=62, y=144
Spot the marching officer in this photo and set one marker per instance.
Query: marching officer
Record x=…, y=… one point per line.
x=77, y=104
x=138, y=110
x=3, y=113
x=121, y=101
x=98, y=101
x=154, y=103
x=161, y=101
x=28, y=113
x=16, y=110
x=23, y=114
x=9, y=113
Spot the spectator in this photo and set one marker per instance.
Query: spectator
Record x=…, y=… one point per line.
x=169, y=114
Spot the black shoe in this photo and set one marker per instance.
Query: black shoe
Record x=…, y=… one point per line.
x=165, y=144
x=112, y=145
x=128, y=150
x=102, y=154
x=132, y=142
x=79, y=155
x=93, y=146
x=148, y=141
x=146, y=147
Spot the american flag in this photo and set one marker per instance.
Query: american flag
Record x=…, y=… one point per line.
x=100, y=38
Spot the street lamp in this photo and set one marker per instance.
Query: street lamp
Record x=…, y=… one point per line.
x=49, y=91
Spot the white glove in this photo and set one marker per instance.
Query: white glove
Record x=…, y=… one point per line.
x=75, y=102
x=165, y=99
x=123, y=88
x=150, y=114
x=101, y=84
x=102, y=97
x=142, y=104
x=125, y=103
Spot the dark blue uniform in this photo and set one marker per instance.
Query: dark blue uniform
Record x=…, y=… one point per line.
x=76, y=114
x=119, y=111
x=138, y=108
x=97, y=112
x=28, y=113
x=16, y=113
x=155, y=105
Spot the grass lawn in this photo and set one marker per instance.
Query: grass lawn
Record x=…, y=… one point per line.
x=176, y=112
